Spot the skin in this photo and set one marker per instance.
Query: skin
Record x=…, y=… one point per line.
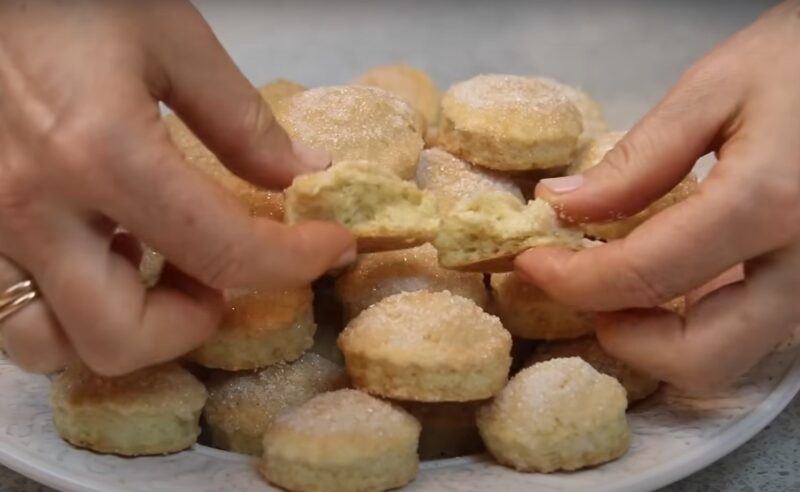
x=742, y=102
x=83, y=150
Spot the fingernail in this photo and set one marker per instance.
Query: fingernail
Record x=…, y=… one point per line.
x=347, y=258
x=313, y=159
x=564, y=184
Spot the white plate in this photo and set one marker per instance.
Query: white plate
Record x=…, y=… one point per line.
x=673, y=437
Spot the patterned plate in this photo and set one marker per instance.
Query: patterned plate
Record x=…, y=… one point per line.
x=674, y=436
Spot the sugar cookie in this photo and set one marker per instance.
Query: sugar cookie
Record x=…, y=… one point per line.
x=150, y=412
x=453, y=180
x=260, y=329
x=427, y=346
x=527, y=312
x=379, y=275
x=591, y=155
x=556, y=415
x=594, y=122
x=383, y=211
x=242, y=405
x=638, y=386
x=355, y=123
x=486, y=232
x=509, y=123
x=344, y=441
x=409, y=83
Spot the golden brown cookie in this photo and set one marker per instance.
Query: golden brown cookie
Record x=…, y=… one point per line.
x=344, y=441
x=260, y=329
x=638, y=386
x=427, y=346
x=409, y=83
x=527, y=312
x=485, y=233
x=453, y=180
x=355, y=123
x=383, y=211
x=591, y=155
x=594, y=123
x=150, y=412
x=259, y=202
x=376, y=276
x=242, y=405
x=556, y=415
x=509, y=123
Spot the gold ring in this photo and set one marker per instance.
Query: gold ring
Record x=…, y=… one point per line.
x=17, y=297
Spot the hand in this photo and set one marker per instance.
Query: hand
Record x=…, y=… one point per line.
x=741, y=101
x=83, y=148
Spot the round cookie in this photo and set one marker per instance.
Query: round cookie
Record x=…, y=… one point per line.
x=150, y=412
x=527, y=312
x=556, y=415
x=242, y=405
x=509, y=123
x=355, y=123
x=594, y=123
x=278, y=89
x=259, y=202
x=344, y=441
x=591, y=155
x=638, y=386
x=427, y=346
x=412, y=84
x=260, y=329
x=448, y=429
x=376, y=276
x=452, y=179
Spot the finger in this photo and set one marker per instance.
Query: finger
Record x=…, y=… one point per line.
x=128, y=247
x=113, y=322
x=734, y=326
x=651, y=158
x=205, y=232
x=204, y=86
x=32, y=337
x=745, y=208
x=727, y=277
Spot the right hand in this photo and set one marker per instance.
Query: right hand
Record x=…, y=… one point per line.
x=83, y=149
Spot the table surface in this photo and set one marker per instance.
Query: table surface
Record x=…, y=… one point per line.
x=625, y=53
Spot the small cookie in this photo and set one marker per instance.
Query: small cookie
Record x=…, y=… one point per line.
x=278, y=89
x=556, y=415
x=242, y=405
x=448, y=429
x=527, y=312
x=594, y=123
x=485, y=233
x=260, y=329
x=637, y=386
x=383, y=211
x=379, y=275
x=355, y=123
x=409, y=83
x=259, y=202
x=427, y=346
x=344, y=441
x=453, y=180
x=591, y=155
x=509, y=123
x=150, y=412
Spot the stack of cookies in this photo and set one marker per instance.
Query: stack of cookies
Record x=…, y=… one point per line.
x=433, y=349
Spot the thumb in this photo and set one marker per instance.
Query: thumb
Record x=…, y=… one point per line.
x=628, y=172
